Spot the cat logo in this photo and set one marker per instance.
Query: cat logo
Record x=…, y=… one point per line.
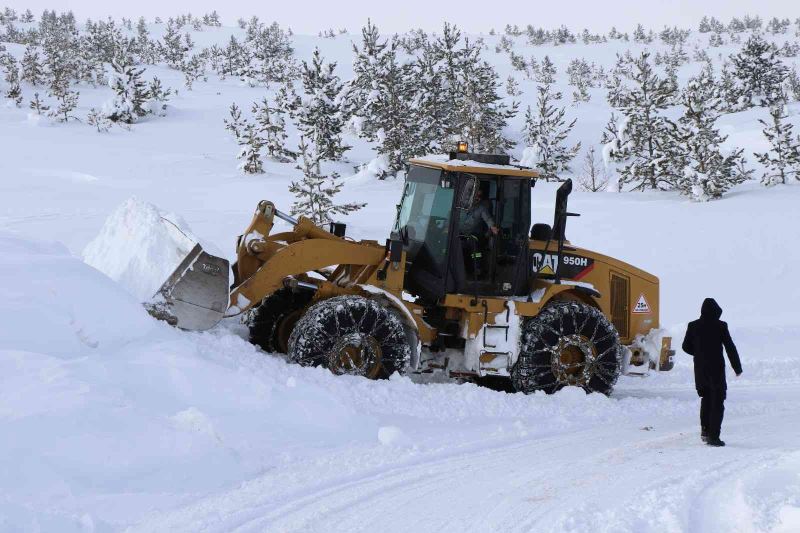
x=641, y=307
x=570, y=267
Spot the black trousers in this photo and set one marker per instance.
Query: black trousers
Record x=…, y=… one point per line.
x=712, y=409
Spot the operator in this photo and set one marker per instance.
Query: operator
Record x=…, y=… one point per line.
x=472, y=235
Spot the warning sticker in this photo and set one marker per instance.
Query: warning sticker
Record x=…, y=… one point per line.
x=641, y=305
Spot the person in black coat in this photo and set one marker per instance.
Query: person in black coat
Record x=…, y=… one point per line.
x=704, y=340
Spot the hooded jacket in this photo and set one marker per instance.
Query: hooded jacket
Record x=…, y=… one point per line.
x=705, y=338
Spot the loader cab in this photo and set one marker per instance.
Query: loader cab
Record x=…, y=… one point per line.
x=450, y=247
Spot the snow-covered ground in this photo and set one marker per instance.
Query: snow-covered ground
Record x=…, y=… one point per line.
x=112, y=421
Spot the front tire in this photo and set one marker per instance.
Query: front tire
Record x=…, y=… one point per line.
x=351, y=335
x=568, y=344
x=272, y=322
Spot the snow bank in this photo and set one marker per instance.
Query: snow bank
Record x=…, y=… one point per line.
x=54, y=303
x=139, y=246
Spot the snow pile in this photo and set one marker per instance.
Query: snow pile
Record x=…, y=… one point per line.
x=54, y=303
x=139, y=246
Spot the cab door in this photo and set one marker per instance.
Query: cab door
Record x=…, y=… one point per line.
x=510, y=250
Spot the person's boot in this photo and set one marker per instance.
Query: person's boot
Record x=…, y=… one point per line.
x=715, y=442
x=703, y=434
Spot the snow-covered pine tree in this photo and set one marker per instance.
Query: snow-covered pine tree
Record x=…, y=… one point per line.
x=193, y=69
x=648, y=140
x=361, y=92
x=130, y=94
x=594, y=177
x=11, y=76
x=272, y=127
x=38, y=105
x=251, y=144
x=158, y=96
x=611, y=140
x=319, y=117
x=759, y=70
x=236, y=124
x=314, y=192
x=545, y=133
x=400, y=132
x=97, y=119
x=272, y=53
x=707, y=172
x=287, y=100
x=512, y=87
x=782, y=161
x=171, y=47
x=67, y=102
x=580, y=77
x=793, y=85
x=547, y=72
x=32, y=70
x=730, y=90
x=481, y=114
x=641, y=36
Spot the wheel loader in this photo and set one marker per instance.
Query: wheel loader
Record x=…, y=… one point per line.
x=503, y=300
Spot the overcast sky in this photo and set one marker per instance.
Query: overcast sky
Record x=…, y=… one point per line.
x=310, y=16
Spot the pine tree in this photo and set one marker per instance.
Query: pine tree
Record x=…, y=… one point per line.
x=793, y=84
x=707, y=173
x=287, y=100
x=158, y=97
x=480, y=111
x=315, y=192
x=547, y=72
x=759, y=70
x=272, y=127
x=251, y=145
x=647, y=136
x=236, y=124
x=782, y=161
x=13, y=91
x=130, y=94
x=171, y=48
x=97, y=119
x=67, y=102
x=193, y=69
x=272, y=53
x=32, y=71
x=320, y=118
x=37, y=105
x=545, y=131
x=361, y=92
x=399, y=131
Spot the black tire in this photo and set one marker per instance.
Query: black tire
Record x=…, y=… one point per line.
x=567, y=344
x=352, y=335
x=270, y=323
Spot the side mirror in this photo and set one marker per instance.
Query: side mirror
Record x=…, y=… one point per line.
x=467, y=193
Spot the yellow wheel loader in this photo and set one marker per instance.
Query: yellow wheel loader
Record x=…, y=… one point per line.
x=464, y=285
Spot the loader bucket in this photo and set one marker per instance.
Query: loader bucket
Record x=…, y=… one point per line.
x=195, y=296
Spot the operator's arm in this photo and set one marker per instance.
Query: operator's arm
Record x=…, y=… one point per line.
x=484, y=212
x=730, y=349
x=688, y=345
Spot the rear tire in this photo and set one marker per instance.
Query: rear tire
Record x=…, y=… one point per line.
x=351, y=335
x=272, y=322
x=567, y=344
